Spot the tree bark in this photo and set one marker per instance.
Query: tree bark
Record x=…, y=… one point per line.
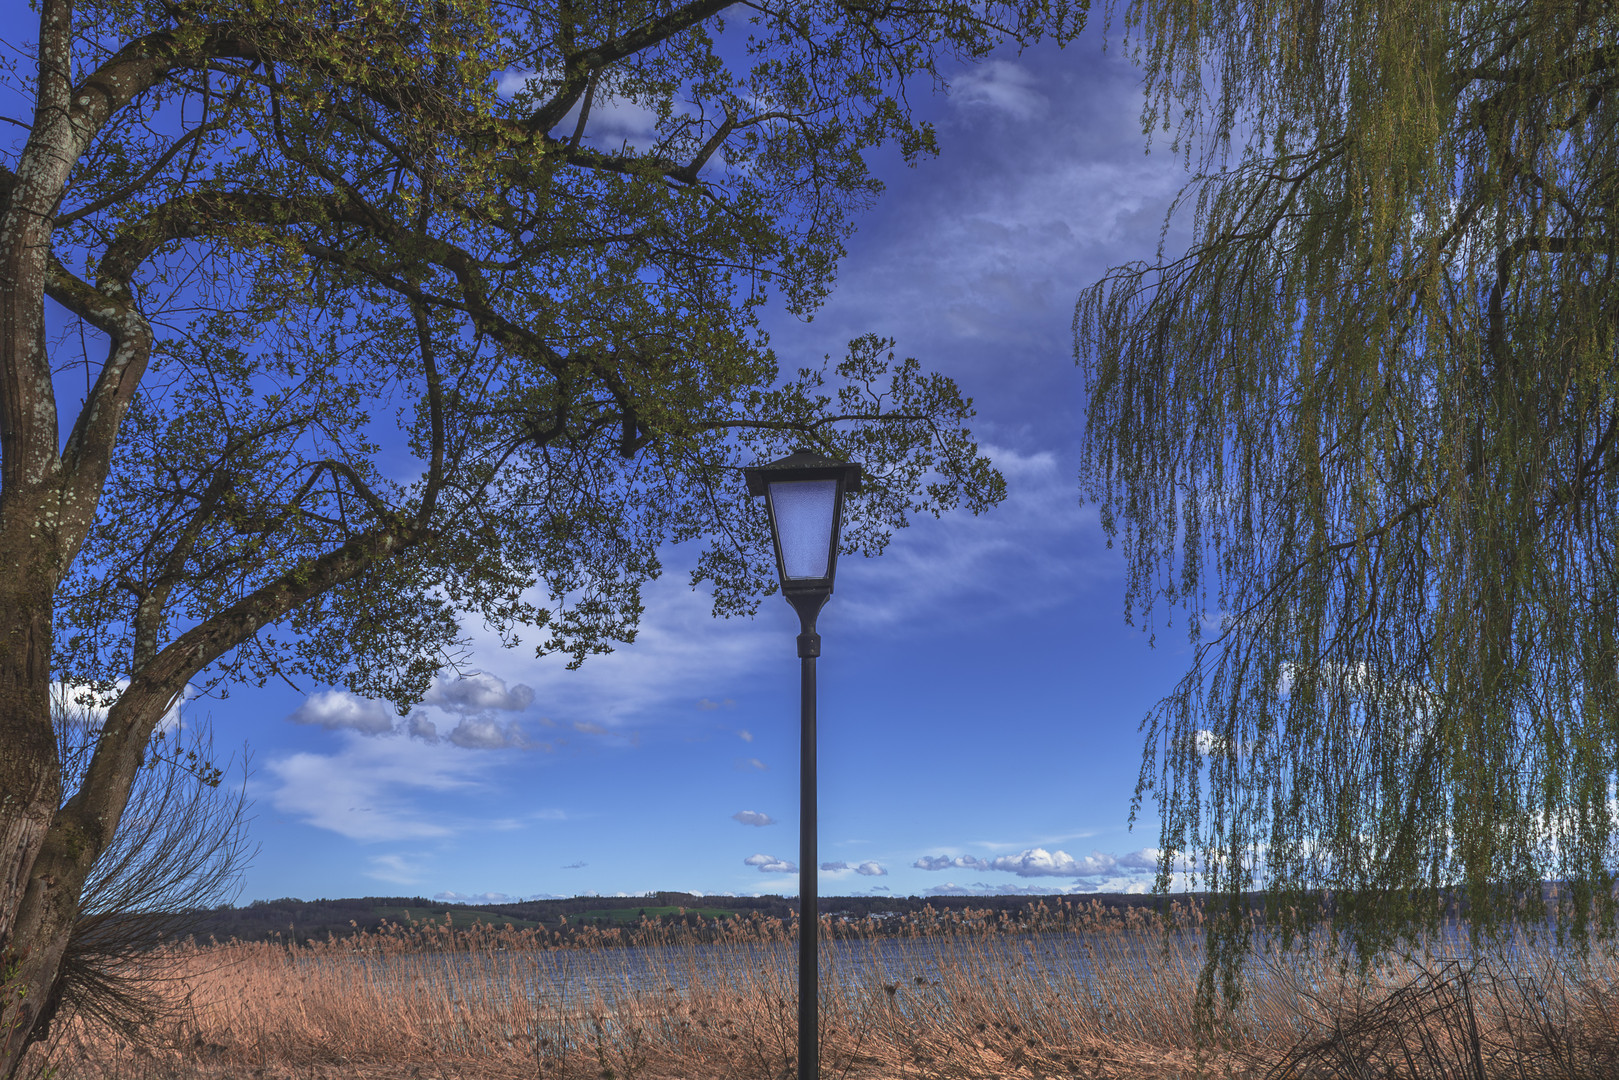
x=30, y=774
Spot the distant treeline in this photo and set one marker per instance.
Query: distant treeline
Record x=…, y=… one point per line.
x=300, y=920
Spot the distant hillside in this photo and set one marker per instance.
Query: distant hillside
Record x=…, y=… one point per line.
x=304, y=919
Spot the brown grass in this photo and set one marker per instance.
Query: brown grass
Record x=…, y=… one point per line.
x=960, y=995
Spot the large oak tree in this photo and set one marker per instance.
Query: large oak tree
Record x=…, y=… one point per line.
x=1364, y=437
x=328, y=325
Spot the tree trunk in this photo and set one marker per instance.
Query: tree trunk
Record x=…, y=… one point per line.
x=30, y=793
x=32, y=888
x=56, y=845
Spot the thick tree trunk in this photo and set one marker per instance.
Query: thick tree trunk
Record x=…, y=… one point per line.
x=30, y=792
x=31, y=555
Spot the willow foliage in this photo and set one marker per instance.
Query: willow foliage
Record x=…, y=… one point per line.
x=1361, y=436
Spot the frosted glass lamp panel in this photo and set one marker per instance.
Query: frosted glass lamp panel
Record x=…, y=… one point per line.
x=804, y=510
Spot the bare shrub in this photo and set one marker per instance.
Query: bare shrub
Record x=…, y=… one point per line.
x=179, y=850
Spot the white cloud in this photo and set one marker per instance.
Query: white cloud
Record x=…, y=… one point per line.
x=936, y=563
x=945, y=862
x=399, y=869
x=680, y=652
x=79, y=699
x=1145, y=859
x=364, y=791
x=1038, y=862
x=474, y=898
x=950, y=888
x=478, y=693
x=471, y=701
x=473, y=733
x=984, y=888
x=418, y=726
x=869, y=868
x=1000, y=86
x=769, y=864
x=612, y=118
x=752, y=817
x=339, y=710
x=751, y=763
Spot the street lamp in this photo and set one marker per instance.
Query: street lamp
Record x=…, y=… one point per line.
x=804, y=500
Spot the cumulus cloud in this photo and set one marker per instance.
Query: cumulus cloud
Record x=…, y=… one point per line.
x=474, y=733
x=478, y=693
x=945, y=862
x=1038, y=862
x=78, y=700
x=869, y=868
x=420, y=727
x=1145, y=859
x=950, y=888
x=745, y=735
x=339, y=710
x=752, y=817
x=769, y=864
x=472, y=701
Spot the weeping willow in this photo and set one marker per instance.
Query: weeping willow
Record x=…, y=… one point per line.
x=1362, y=440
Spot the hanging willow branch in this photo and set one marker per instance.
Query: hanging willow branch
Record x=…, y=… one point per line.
x=1367, y=429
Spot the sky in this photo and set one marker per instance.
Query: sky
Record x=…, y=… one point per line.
x=980, y=691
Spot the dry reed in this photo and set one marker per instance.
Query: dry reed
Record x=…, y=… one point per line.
x=1073, y=991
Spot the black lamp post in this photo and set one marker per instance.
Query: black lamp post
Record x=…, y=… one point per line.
x=804, y=498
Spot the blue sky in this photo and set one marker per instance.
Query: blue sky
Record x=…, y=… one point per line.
x=979, y=689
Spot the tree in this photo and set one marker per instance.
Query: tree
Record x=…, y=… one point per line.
x=1364, y=437
x=382, y=331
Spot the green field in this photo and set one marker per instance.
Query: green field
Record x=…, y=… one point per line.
x=459, y=917
x=462, y=917
x=633, y=914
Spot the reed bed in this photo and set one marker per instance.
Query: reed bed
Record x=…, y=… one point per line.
x=1073, y=990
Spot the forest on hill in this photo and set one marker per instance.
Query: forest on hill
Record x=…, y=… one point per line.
x=297, y=919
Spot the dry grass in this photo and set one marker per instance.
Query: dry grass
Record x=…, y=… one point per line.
x=1079, y=992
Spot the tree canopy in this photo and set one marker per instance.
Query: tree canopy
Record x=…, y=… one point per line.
x=367, y=318
x=1363, y=438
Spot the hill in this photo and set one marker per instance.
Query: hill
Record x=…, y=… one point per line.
x=303, y=919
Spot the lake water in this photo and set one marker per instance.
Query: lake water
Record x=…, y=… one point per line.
x=572, y=978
